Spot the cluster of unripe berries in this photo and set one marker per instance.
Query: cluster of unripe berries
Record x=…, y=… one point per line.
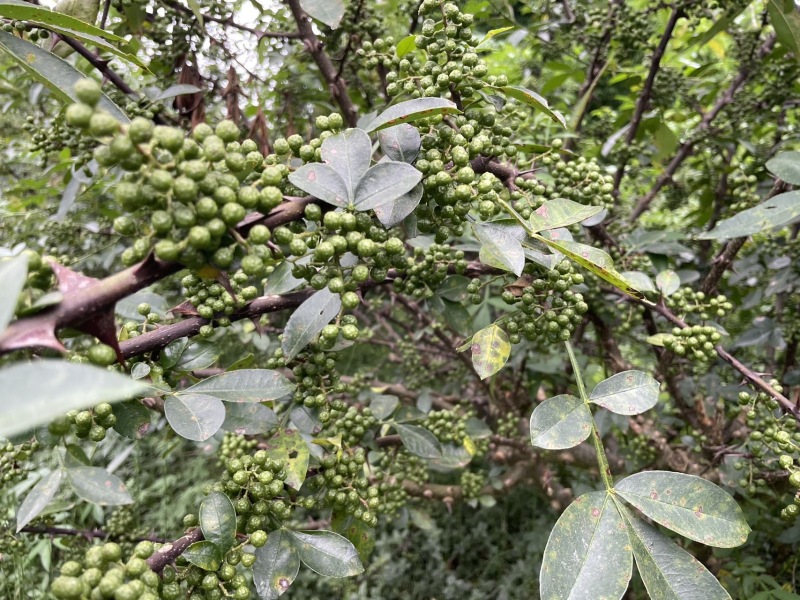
x=316, y=379
x=579, y=180
x=545, y=305
x=103, y=575
x=449, y=426
x=12, y=461
x=255, y=484
x=427, y=270
x=92, y=424
x=212, y=301
x=687, y=301
x=351, y=424
x=342, y=485
x=694, y=341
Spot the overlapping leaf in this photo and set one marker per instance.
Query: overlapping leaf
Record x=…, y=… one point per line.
x=245, y=385
x=327, y=553
x=289, y=447
x=561, y=212
x=97, y=485
x=419, y=441
x=688, y=505
x=194, y=416
x=38, y=498
x=778, y=211
x=499, y=248
x=12, y=278
x=412, y=110
x=384, y=183
x=490, y=349
x=308, y=320
x=36, y=393
x=668, y=571
x=218, y=520
x=322, y=181
x=54, y=73
x=348, y=153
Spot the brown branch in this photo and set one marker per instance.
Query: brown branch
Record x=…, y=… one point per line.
x=85, y=304
x=647, y=90
x=728, y=253
x=170, y=551
x=687, y=148
x=313, y=44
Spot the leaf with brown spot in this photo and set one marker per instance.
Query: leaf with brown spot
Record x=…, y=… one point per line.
x=688, y=505
x=276, y=567
x=588, y=555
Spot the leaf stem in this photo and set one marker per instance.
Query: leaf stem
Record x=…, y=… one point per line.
x=602, y=460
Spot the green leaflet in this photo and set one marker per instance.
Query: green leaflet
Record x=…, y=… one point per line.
x=276, y=567
x=626, y=393
x=778, y=211
x=596, y=261
x=688, y=505
x=668, y=571
x=588, y=556
x=412, y=110
x=288, y=446
x=245, y=385
x=560, y=422
x=490, y=350
x=54, y=73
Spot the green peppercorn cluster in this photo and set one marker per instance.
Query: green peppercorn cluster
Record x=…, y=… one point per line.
x=694, y=341
x=687, y=301
x=428, y=268
x=351, y=424
x=213, y=301
x=773, y=447
x=183, y=195
x=316, y=375
x=92, y=424
x=545, y=306
x=638, y=450
x=234, y=445
x=578, y=179
x=472, y=484
x=334, y=235
x=226, y=582
x=393, y=468
x=255, y=484
x=343, y=485
x=121, y=525
x=449, y=426
x=102, y=574
x=14, y=461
